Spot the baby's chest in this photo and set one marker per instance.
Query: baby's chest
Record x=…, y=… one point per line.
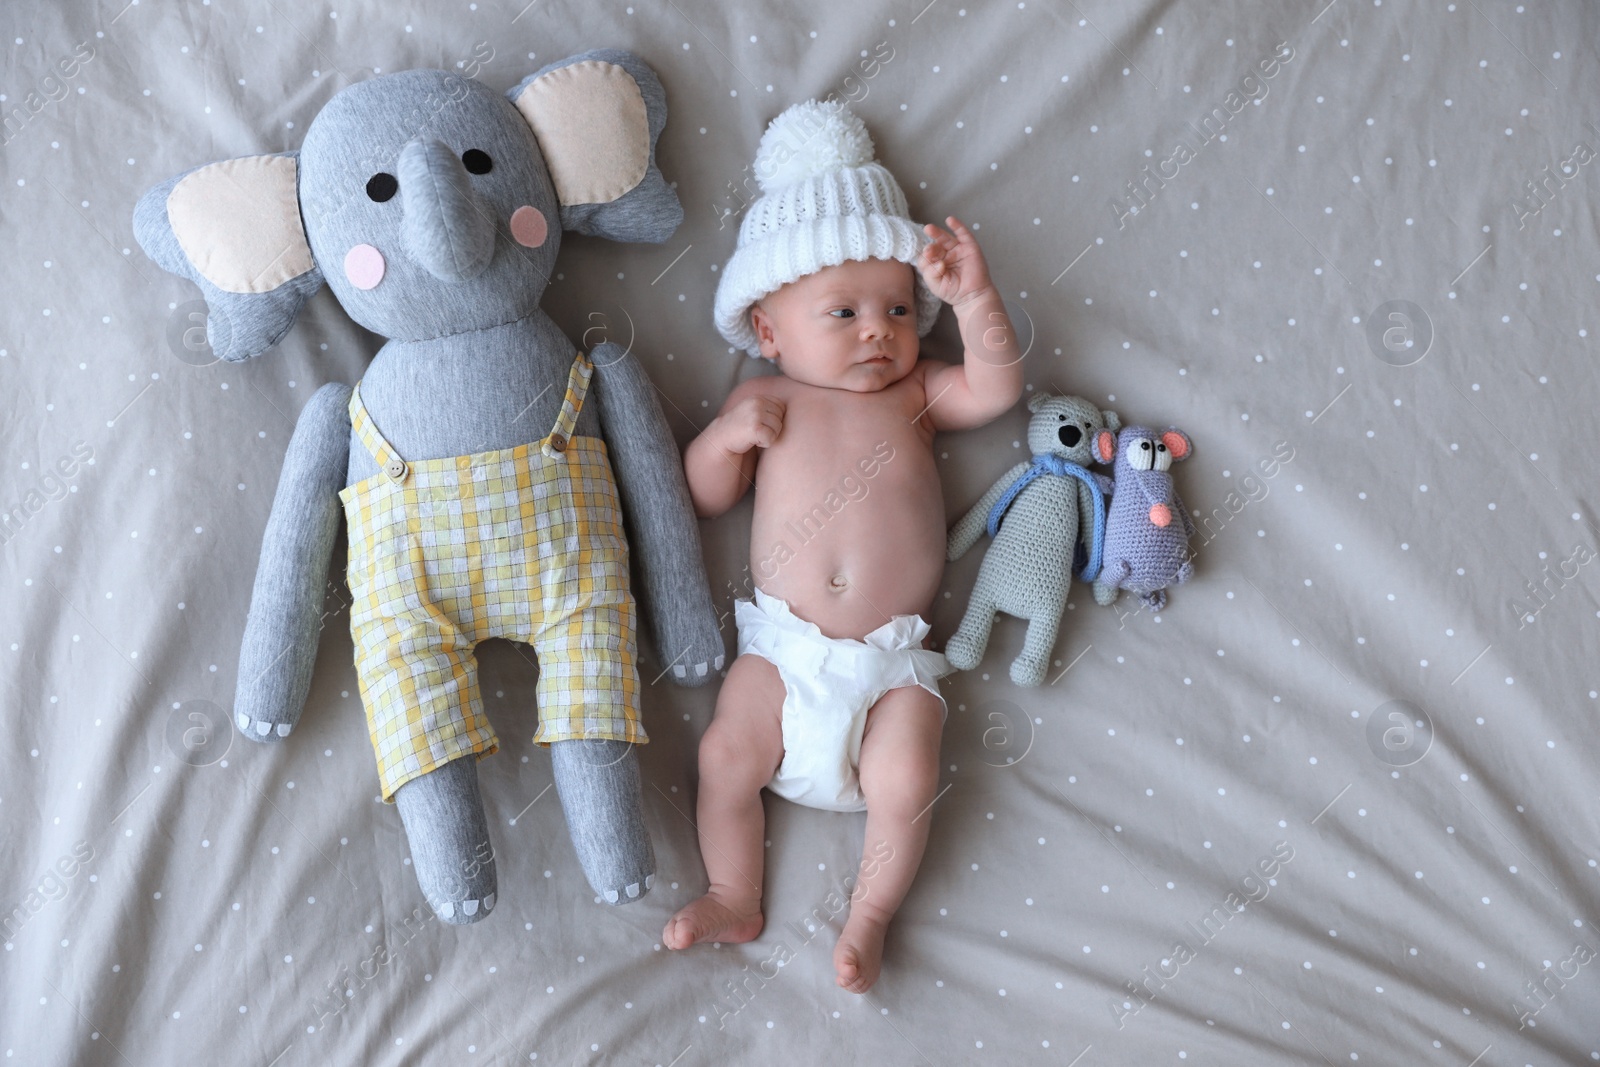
x=817, y=416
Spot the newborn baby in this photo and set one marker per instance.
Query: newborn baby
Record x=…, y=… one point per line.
x=833, y=702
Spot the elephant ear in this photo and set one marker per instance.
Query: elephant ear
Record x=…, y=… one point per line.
x=597, y=116
x=234, y=229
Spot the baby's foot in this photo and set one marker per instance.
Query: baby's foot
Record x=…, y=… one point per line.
x=710, y=919
x=859, y=954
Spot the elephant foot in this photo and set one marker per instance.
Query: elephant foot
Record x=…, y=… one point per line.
x=1155, y=600
x=598, y=782
x=449, y=837
x=697, y=671
x=260, y=730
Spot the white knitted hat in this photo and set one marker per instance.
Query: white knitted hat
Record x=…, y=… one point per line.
x=825, y=201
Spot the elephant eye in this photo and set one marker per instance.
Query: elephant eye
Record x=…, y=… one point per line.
x=381, y=187
x=477, y=161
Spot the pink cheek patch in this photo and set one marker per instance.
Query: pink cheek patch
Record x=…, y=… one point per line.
x=528, y=226
x=363, y=265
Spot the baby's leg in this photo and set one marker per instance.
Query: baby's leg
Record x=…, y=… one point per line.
x=900, y=778
x=739, y=753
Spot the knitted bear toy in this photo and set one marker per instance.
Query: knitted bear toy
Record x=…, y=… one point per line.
x=1147, y=532
x=1034, y=514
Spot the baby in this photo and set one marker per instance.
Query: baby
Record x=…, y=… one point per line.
x=833, y=702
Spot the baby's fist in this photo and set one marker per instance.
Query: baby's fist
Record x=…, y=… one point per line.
x=754, y=422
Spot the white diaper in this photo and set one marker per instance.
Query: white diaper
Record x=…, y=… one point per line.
x=830, y=683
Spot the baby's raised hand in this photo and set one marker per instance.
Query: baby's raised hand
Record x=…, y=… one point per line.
x=754, y=422
x=952, y=264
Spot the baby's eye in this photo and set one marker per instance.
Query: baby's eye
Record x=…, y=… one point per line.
x=898, y=309
x=843, y=313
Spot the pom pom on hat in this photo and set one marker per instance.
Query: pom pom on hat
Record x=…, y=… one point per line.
x=810, y=139
x=825, y=200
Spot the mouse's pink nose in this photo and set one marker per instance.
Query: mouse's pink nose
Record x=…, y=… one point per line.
x=1160, y=514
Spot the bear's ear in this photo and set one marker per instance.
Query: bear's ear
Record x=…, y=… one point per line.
x=1105, y=446
x=234, y=229
x=1036, y=401
x=597, y=116
x=1113, y=423
x=1177, y=443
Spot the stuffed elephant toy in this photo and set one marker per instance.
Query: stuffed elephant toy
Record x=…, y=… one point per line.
x=1148, y=529
x=1034, y=513
x=481, y=462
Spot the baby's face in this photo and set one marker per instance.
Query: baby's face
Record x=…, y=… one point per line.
x=852, y=326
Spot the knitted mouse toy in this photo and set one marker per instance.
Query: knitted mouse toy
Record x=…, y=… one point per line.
x=1034, y=514
x=1148, y=530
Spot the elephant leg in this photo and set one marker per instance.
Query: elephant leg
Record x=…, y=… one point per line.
x=600, y=790
x=450, y=849
x=966, y=646
x=1033, y=662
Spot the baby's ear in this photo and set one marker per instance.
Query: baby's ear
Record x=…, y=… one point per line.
x=761, y=323
x=234, y=229
x=597, y=116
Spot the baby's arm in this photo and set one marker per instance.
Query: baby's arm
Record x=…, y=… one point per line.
x=989, y=379
x=720, y=464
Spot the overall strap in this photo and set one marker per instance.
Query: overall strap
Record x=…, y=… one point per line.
x=387, y=458
x=577, y=388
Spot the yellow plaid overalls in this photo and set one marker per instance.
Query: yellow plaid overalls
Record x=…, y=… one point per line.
x=523, y=543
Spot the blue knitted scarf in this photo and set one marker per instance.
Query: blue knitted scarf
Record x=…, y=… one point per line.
x=1061, y=468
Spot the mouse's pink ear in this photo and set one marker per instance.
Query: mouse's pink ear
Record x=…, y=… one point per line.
x=1105, y=446
x=1177, y=443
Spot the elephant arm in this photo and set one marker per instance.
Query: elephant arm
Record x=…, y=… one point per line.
x=663, y=534
x=971, y=526
x=286, y=607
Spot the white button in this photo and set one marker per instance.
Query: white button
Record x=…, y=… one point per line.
x=396, y=469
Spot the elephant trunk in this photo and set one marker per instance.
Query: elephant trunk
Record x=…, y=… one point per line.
x=448, y=229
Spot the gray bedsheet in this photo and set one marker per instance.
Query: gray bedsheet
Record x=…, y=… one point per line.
x=1365, y=285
